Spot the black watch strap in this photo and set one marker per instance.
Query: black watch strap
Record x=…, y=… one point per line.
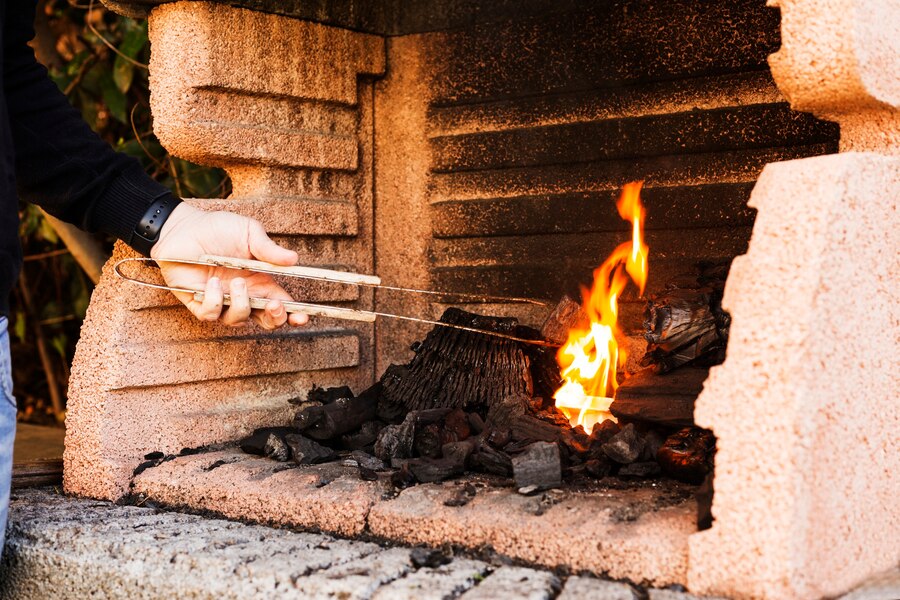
x=147, y=231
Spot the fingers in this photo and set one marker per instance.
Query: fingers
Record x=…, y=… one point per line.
x=211, y=307
x=272, y=316
x=263, y=248
x=239, y=311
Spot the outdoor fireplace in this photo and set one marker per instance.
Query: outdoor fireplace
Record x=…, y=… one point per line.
x=480, y=149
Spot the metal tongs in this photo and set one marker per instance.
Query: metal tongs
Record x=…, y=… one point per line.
x=326, y=275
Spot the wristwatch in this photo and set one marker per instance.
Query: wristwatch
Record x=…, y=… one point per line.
x=146, y=233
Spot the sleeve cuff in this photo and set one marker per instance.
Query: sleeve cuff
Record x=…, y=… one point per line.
x=124, y=203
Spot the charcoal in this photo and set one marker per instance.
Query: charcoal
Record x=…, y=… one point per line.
x=598, y=468
x=532, y=429
x=154, y=455
x=653, y=441
x=640, y=470
x=687, y=455
x=490, y=460
x=538, y=465
x=498, y=438
x=456, y=427
x=427, y=441
x=453, y=368
x=704, y=498
x=576, y=441
x=429, y=557
x=403, y=478
x=308, y=452
x=626, y=446
x=451, y=463
x=462, y=496
x=366, y=460
x=431, y=415
x=476, y=423
x=363, y=438
x=255, y=443
x=327, y=396
x=603, y=432
x=337, y=418
x=367, y=474
x=502, y=414
x=396, y=441
x=277, y=449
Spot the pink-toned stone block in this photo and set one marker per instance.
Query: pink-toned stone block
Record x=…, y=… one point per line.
x=806, y=407
x=280, y=104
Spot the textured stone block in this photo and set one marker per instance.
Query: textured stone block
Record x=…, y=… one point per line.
x=806, y=408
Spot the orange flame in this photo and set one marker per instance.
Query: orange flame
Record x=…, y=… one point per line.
x=591, y=356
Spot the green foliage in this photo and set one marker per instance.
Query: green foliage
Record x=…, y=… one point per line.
x=99, y=60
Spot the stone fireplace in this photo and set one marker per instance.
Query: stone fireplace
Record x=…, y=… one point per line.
x=478, y=148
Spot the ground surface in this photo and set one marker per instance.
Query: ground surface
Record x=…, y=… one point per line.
x=36, y=442
x=68, y=548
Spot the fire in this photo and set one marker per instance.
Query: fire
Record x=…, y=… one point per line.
x=591, y=356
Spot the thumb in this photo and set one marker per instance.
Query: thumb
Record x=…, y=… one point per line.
x=263, y=248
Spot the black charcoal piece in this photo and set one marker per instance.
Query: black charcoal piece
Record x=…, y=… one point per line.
x=640, y=470
x=430, y=557
x=626, y=446
x=491, y=460
x=462, y=496
x=308, y=452
x=329, y=395
x=367, y=461
x=277, y=449
x=539, y=464
x=396, y=441
x=598, y=467
x=367, y=474
x=255, y=443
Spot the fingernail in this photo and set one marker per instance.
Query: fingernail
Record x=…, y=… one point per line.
x=278, y=311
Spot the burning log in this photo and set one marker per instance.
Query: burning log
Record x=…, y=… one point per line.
x=539, y=465
x=685, y=322
x=459, y=369
x=687, y=455
x=666, y=399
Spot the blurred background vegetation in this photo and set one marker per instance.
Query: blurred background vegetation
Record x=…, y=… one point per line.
x=99, y=60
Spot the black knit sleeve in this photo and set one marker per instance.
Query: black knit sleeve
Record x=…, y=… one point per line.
x=61, y=164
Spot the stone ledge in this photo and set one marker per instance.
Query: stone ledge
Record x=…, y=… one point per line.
x=639, y=534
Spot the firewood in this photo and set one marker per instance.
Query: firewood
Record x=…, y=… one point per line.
x=685, y=322
x=457, y=369
x=567, y=315
x=666, y=399
x=539, y=465
x=532, y=429
x=626, y=446
x=307, y=452
x=687, y=455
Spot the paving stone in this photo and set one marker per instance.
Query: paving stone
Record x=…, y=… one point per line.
x=446, y=581
x=515, y=582
x=358, y=579
x=587, y=588
x=673, y=595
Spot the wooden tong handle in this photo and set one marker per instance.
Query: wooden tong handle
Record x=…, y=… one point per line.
x=300, y=271
x=313, y=310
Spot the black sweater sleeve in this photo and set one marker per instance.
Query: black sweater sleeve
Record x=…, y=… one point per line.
x=61, y=164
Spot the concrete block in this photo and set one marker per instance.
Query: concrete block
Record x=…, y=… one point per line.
x=806, y=408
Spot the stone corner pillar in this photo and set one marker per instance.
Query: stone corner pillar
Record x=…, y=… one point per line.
x=286, y=108
x=806, y=407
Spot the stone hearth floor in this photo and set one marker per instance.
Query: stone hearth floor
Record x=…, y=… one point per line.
x=61, y=547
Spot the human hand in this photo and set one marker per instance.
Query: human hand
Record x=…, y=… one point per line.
x=189, y=233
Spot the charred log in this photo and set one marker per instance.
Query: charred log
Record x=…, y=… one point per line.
x=685, y=322
x=340, y=416
x=456, y=369
x=667, y=399
x=538, y=465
